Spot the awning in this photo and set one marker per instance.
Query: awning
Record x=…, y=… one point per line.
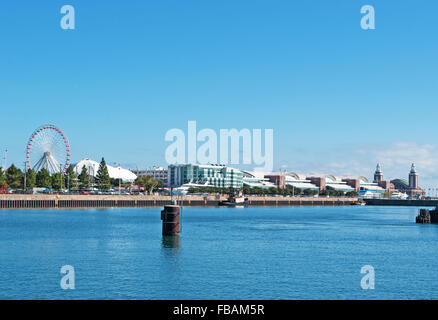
x=302, y=185
x=339, y=187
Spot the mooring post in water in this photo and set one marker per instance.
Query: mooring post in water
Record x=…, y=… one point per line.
x=170, y=216
x=423, y=217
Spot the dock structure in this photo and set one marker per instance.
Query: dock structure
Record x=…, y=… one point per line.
x=427, y=216
x=116, y=201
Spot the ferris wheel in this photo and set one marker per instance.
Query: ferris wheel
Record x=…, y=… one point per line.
x=48, y=148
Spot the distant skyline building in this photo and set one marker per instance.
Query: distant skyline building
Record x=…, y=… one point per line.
x=410, y=186
x=378, y=178
x=226, y=177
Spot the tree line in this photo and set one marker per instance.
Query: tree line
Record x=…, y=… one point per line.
x=15, y=178
x=289, y=191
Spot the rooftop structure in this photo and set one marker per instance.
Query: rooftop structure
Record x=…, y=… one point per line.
x=333, y=182
x=299, y=181
x=256, y=180
x=114, y=172
x=378, y=175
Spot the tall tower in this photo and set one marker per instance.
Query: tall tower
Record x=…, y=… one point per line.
x=413, y=178
x=378, y=175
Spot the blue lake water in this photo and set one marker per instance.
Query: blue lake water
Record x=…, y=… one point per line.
x=222, y=253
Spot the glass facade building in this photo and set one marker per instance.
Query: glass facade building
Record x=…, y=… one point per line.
x=208, y=175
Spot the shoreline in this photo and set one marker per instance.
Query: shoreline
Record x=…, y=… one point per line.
x=23, y=201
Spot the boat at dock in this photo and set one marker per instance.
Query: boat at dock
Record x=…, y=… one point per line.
x=235, y=200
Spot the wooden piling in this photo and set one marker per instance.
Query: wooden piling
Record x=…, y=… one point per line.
x=170, y=216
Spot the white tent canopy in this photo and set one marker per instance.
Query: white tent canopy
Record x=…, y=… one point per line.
x=114, y=172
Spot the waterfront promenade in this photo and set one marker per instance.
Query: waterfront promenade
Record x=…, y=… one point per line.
x=12, y=201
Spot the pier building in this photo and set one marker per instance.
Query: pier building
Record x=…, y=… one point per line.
x=158, y=173
x=299, y=181
x=378, y=174
x=409, y=187
x=257, y=180
x=208, y=175
x=225, y=177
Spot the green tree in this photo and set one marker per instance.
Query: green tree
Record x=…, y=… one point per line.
x=2, y=177
x=43, y=178
x=30, y=179
x=56, y=181
x=292, y=190
x=160, y=185
x=310, y=192
x=147, y=182
x=14, y=177
x=84, y=179
x=71, y=180
x=352, y=194
x=102, y=177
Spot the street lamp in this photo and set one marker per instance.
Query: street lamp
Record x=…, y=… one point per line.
x=120, y=182
x=24, y=185
x=90, y=175
x=4, y=159
x=120, y=178
x=60, y=176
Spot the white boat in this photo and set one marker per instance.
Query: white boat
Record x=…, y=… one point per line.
x=235, y=200
x=398, y=196
x=366, y=194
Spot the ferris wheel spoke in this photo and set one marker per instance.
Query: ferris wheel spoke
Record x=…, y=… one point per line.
x=48, y=148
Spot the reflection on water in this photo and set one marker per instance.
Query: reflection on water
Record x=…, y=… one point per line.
x=170, y=242
x=223, y=253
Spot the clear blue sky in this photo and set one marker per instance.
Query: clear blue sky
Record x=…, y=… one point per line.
x=338, y=98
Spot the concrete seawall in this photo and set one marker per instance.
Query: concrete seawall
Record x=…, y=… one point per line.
x=115, y=201
x=397, y=202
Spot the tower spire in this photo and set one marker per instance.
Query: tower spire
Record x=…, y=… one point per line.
x=413, y=168
x=378, y=169
x=378, y=175
x=413, y=177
